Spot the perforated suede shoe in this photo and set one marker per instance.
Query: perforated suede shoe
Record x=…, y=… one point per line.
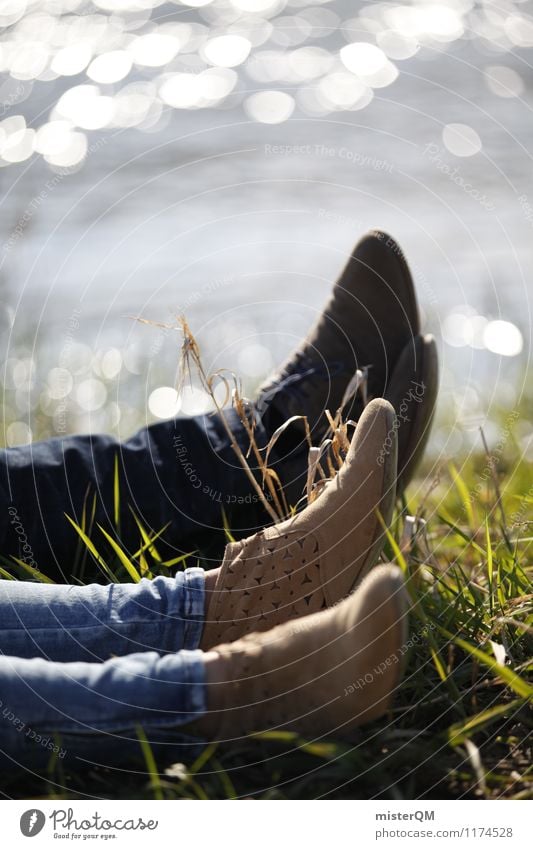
x=316, y=558
x=324, y=674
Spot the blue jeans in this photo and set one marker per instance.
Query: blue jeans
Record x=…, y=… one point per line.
x=181, y=473
x=83, y=668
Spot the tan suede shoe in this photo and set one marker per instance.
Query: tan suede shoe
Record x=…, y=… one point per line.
x=325, y=674
x=316, y=558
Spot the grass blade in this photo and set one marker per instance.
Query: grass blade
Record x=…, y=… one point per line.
x=225, y=525
x=151, y=765
x=148, y=541
x=116, y=495
x=34, y=573
x=92, y=548
x=512, y=679
x=460, y=731
x=490, y=565
x=177, y=560
x=124, y=559
x=462, y=489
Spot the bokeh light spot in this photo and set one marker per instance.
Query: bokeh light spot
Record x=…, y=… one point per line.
x=461, y=140
x=270, y=107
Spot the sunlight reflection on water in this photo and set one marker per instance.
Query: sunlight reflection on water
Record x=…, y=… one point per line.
x=111, y=42
x=298, y=84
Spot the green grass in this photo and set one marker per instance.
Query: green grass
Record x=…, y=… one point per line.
x=461, y=723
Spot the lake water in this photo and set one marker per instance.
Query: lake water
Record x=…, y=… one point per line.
x=166, y=191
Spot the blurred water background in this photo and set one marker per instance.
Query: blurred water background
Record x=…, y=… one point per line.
x=220, y=158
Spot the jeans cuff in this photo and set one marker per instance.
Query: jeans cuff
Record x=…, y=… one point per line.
x=193, y=607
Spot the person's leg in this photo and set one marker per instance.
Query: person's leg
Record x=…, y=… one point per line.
x=185, y=472
x=94, y=623
x=93, y=713
x=327, y=673
x=303, y=564
x=63, y=690
x=181, y=473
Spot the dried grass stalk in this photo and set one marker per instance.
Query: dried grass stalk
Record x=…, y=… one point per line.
x=334, y=447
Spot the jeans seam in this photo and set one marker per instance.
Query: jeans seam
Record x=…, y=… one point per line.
x=193, y=607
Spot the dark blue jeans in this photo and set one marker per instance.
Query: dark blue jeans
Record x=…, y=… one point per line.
x=183, y=473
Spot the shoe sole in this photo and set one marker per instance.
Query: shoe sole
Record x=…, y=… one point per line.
x=426, y=373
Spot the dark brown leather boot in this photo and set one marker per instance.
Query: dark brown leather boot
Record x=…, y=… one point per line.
x=412, y=392
x=370, y=317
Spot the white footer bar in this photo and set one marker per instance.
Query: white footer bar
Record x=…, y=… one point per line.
x=250, y=824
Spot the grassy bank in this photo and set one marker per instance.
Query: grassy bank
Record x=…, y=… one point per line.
x=461, y=722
